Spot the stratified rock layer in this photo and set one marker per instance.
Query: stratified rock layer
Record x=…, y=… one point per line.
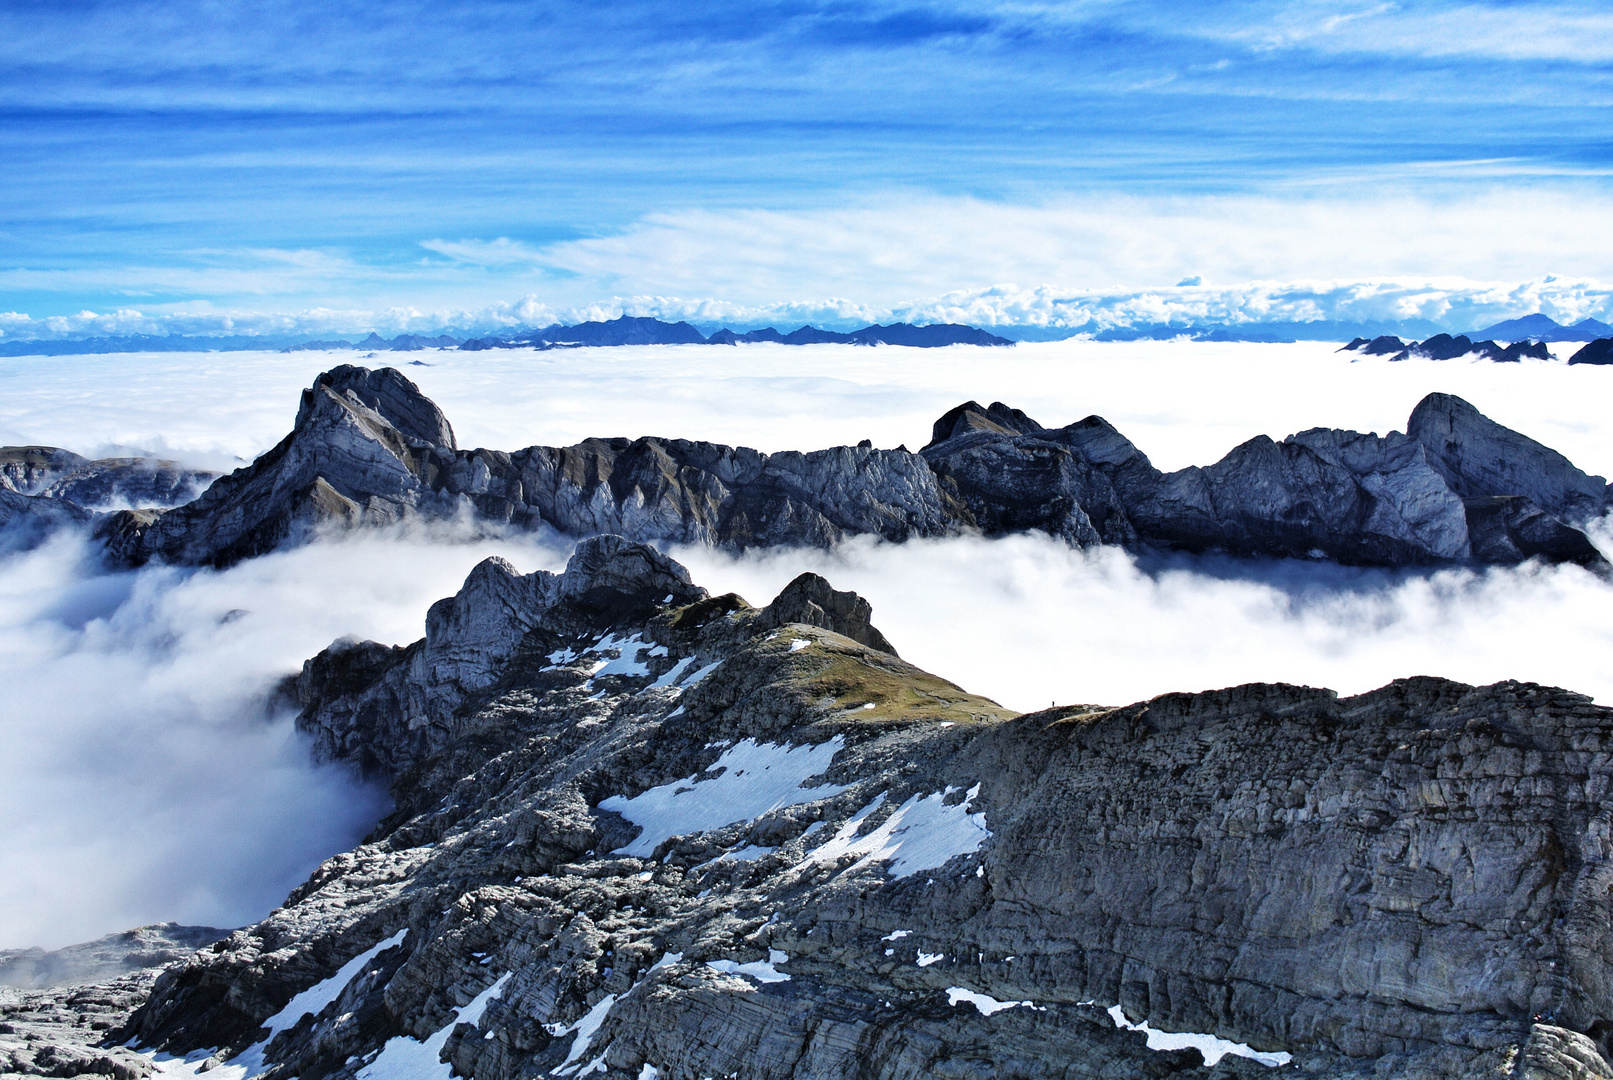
x=369, y=449
x=649, y=827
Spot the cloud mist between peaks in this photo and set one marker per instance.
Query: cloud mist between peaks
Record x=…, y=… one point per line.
x=146, y=782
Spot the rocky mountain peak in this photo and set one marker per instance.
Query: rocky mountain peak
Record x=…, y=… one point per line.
x=971, y=416
x=812, y=601
x=369, y=450
x=1480, y=458
x=618, y=578
x=387, y=392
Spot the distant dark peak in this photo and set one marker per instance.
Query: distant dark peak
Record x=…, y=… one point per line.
x=1446, y=347
x=726, y=336
x=1541, y=327
x=626, y=330
x=971, y=417
x=1599, y=351
x=926, y=337
x=319, y=346
x=1518, y=350
x=416, y=342
x=1591, y=326
x=1441, y=347
x=1386, y=345
x=643, y=330
x=811, y=335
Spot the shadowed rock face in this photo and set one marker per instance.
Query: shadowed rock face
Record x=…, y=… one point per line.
x=369, y=449
x=740, y=844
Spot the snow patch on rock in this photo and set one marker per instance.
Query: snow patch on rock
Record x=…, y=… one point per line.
x=1213, y=1048
x=921, y=834
x=754, y=779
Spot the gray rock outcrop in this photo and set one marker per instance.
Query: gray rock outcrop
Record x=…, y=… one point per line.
x=369, y=449
x=682, y=837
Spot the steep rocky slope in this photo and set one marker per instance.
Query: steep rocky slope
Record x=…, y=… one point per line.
x=645, y=832
x=367, y=448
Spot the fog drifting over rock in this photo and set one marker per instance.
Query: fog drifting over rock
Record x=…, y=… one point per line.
x=144, y=780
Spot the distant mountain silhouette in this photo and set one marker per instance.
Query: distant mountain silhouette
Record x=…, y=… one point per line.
x=1446, y=347
x=628, y=330
x=1543, y=328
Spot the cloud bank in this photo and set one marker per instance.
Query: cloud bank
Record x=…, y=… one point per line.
x=145, y=780
x=1090, y=264
x=1028, y=621
x=1453, y=304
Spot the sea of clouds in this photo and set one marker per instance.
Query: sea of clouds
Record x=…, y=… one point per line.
x=148, y=778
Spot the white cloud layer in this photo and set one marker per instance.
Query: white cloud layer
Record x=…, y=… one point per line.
x=1462, y=258
x=144, y=781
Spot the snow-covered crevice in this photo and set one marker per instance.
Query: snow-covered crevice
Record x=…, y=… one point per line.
x=583, y=1031
x=585, y=1027
x=310, y=1002
x=752, y=779
x=1212, y=1047
x=407, y=1058
x=764, y=971
x=985, y=1003
x=632, y=656
x=921, y=834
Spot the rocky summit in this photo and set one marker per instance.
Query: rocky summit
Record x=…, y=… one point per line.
x=645, y=832
x=368, y=449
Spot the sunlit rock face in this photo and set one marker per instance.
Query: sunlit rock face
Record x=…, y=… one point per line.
x=369, y=449
x=652, y=828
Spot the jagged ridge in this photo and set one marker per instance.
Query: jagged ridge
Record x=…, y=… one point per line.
x=369, y=449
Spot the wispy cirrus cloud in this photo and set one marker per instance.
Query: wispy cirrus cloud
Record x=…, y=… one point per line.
x=501, y=251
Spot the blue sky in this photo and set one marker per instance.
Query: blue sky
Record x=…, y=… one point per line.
x=282, y=166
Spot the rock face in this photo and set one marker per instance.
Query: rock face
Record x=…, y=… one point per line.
x=369, y=449
x=365, y=450
x=67, y=477
x=62, y=1032
x=665, y=829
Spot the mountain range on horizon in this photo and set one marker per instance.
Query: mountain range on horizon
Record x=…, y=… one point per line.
x=647, y=330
